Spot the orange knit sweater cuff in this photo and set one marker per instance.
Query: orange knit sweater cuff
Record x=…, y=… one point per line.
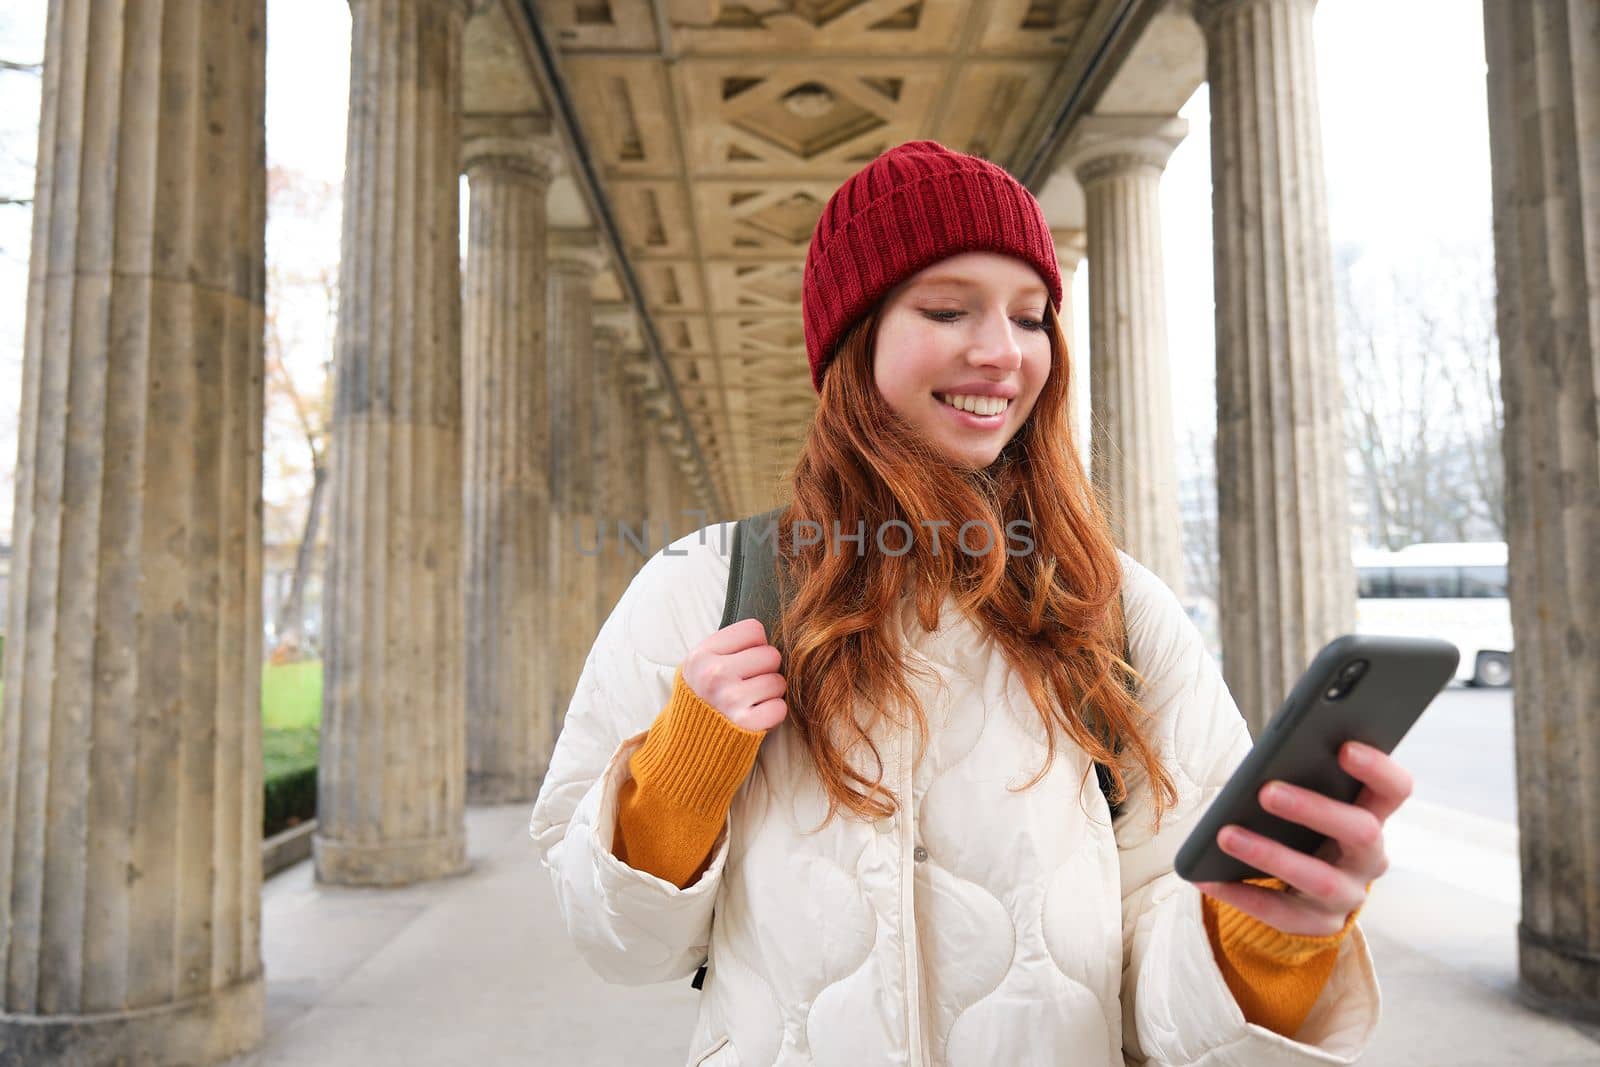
x=694, y=758
x=684, y=775
x=1275, y=977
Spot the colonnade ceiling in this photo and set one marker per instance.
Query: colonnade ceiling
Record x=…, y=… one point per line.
x=718, y=130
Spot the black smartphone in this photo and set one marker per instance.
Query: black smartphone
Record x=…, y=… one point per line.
x=1360, y=687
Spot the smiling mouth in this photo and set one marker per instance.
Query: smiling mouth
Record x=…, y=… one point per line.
x=988, y=408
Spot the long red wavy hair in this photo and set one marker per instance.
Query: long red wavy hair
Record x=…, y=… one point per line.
x=1055, y=610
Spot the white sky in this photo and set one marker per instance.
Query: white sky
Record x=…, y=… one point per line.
x=1404, y=132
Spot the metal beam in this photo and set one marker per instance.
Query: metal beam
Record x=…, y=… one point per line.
x=1110, y=33
x=588, y=179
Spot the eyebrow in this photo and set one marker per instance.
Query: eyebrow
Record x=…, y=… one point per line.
x=966, y=283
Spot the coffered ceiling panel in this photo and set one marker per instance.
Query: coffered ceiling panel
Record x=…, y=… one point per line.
x=719, y=130
x=610, y=25
x=672, y=287
x=776, y=27
x=684, y=333
x=628, y=121
x=999, y=100
x=654, y=216
x=755, y=118
x=1039, y=27
x=759, y=220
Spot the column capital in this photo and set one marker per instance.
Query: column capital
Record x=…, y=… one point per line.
x=465, y=8
x=607, y=333
x=576, y=252
x=519, y=144
x=619, y=319
x=1072, y=244
x=1105, y=145
x=1207, y=12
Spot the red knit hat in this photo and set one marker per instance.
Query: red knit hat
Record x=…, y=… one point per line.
x=914, y=205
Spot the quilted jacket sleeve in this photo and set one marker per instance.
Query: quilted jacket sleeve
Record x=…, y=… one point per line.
x=632, y=927
x=1177, y=1009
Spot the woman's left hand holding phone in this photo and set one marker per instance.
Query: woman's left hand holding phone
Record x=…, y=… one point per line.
x=1325, y=887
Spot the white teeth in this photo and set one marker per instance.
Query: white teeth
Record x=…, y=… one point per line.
x=978, y=405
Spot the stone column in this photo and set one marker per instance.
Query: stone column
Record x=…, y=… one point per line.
x=130, y=737
x=391, y=782
x=1118, y=160
x=684, y=500
x=1071, y=246
x=506, y=440
x=633, y=495
x=657, y=463
x=574, y=564
x=1544, y=81
x=612, y=478
x=1286, y=581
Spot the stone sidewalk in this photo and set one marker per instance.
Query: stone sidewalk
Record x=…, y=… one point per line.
x=477, y=970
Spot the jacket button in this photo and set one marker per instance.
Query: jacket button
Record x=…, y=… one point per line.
x=919, y=854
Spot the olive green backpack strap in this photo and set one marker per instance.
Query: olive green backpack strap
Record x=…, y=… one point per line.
x=752, y=590
x=752, y=572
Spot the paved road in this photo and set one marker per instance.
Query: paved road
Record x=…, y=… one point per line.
x=1462, y=755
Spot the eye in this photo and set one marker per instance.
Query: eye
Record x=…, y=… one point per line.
x=1026, y=323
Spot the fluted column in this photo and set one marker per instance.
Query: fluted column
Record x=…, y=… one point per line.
x=574, y=564
x=1119, y=160
x=1286, y=581
x=630, y=492
x=684, y=500
x=611, y=478
x=657, y=463
x=130, y=750
x=392, y=776
x=1071, y=246
x=1544, y=85
x=620, y=461
x=506, y=436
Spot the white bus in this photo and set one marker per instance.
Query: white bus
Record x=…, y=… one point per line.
x=1452, y=591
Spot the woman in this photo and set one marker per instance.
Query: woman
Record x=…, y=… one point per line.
x=887, y=839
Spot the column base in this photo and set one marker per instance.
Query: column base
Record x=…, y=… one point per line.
x=1555, y=979
x=396, y=863
x=198, y=1032
x=498, y=787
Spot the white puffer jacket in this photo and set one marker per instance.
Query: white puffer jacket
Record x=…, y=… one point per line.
x=976, y=926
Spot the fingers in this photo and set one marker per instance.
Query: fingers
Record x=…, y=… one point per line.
x=764, y=716
x=1387, y=784
x=756, y=690
x=753, y=662
x=1275, y=908
x=737, y=672
x=1356, y=829
x=736, y=637
x=1329, y=888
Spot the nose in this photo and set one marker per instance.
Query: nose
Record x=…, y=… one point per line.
x=995, y=343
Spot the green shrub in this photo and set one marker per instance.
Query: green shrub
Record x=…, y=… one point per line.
x=283, y=751
x=289, y=799
x=289, y=775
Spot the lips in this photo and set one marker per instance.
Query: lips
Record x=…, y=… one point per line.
x=972, y=420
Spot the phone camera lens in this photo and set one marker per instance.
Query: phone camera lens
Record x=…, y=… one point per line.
x=1352, y=671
